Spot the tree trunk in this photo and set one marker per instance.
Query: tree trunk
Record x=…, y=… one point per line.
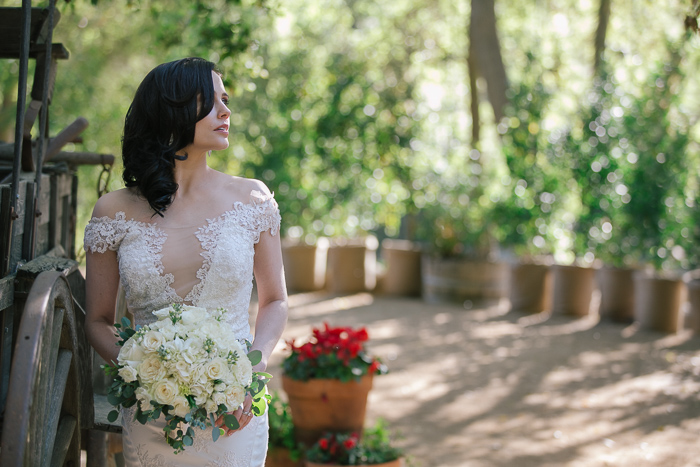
x=603, y=20
x=483, y=39
x=474, y=95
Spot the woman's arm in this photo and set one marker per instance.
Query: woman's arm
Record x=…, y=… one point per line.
x=272, y=296
x=102, y=285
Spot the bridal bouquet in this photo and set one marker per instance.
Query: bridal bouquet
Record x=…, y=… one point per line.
x=188, y=368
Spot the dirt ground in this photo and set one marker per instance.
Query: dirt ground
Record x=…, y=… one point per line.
x=481, y=386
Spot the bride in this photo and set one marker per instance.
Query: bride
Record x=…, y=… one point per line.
x=181, y=232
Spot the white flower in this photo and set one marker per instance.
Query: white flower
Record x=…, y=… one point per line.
x=219, y=398
x=235, y=395
x=130, y=352
x=243, y=371
x=164, y=391
x=193, y=315
x=151, y=369
x=216, y=368
x=210, y=406
x=152, y=341
x=162, y=313
x=128, y=373
x=183, y=370
x=180, y=406
x=144, y=398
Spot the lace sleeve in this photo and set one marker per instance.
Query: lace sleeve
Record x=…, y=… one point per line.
x=267, y=213
x=104, y=233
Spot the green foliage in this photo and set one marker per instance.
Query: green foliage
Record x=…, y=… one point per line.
x=535, y=185
x=281, y=434
x=373, y=447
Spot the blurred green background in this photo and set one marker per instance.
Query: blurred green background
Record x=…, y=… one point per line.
x=485, y=128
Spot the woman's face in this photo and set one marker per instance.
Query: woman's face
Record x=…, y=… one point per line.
x=211, y=132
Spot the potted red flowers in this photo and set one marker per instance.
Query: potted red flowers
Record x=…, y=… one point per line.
x=372, y=448
x=327, y=380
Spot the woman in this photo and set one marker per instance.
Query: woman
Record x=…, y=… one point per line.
x=181, y=232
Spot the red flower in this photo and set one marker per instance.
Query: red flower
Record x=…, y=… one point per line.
x=350, y=443
x=323, y=443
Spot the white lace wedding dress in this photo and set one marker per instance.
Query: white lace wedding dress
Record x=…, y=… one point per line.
x=156, y=266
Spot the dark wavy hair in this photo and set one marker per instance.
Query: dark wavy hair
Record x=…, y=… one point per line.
x=161, y=120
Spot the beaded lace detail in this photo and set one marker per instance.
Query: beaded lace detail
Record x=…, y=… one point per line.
x=225, y=278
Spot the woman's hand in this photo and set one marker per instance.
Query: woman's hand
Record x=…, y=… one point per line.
x=243, y=415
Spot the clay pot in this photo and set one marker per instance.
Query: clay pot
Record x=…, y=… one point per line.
x=279, y=457
x=616, y=294
x=319, y=405
x=403, y=263
x=459, y=279
x=305, y=265
x=658, y=302
x=572, y=289
x=394, y=463
x=530, y=287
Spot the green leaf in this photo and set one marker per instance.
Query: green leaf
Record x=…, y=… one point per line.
x=231, y=422
x=112, y=399
x=187, y=440
x=215, y=433
x=125, y=322
x=255, y=357
x=112, y=416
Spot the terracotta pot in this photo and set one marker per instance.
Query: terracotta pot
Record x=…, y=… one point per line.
x=530, y=287
x=320, y=405
x=394, y=463
x=658, y=302
x=458, y=279
x=352, y=265
x=616, y=294
x=572, y=289
x=305, y=265
x=279, y=457
x=694, y=304
x=403, y=262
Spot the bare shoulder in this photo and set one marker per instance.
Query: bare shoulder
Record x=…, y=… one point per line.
x=124, y=200
x=240, y=188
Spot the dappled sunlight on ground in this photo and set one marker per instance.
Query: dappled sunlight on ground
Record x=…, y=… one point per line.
x=485, y=387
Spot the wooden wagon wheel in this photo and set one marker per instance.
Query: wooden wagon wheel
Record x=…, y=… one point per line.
x=42, y=422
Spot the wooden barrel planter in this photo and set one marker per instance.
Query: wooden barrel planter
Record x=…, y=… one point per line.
x=305, y=264
x=530, y=287
x=280, y=457
x=319, y=405
x=693, y=316
x=616, y=294
x=458, y=280
x=403, y=268
x=572, y=289
x=352, y=265
x=658, y=302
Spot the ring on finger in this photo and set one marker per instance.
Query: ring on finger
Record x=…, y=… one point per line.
x=248, y=414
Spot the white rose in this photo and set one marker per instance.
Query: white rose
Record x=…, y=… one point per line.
x=235, y=395
x=164, y=391
x=243, y=370
x=128, y=373
x=219, y=398
x=180, y=406
x=130, y=352
x=199, y=393
x=152, y=341
x=151, y=369
x=210, y=406
x=216, y=368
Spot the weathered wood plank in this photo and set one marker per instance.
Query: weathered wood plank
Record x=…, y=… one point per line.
x=64, y=437
x=58, y=389
x=102, y=408
x=7, y=291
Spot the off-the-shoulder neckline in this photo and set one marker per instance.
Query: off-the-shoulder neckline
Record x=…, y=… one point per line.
x=257, y=198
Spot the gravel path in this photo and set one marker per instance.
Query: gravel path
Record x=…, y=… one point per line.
x=482, y=387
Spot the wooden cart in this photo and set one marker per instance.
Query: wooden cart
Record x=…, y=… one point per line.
x=47, y=414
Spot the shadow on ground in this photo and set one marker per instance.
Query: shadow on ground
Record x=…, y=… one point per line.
x=485, y=387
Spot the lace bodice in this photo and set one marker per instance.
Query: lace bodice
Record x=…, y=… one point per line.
x=226, y=244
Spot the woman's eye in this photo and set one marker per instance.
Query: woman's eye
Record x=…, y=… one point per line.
x=225, y=101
